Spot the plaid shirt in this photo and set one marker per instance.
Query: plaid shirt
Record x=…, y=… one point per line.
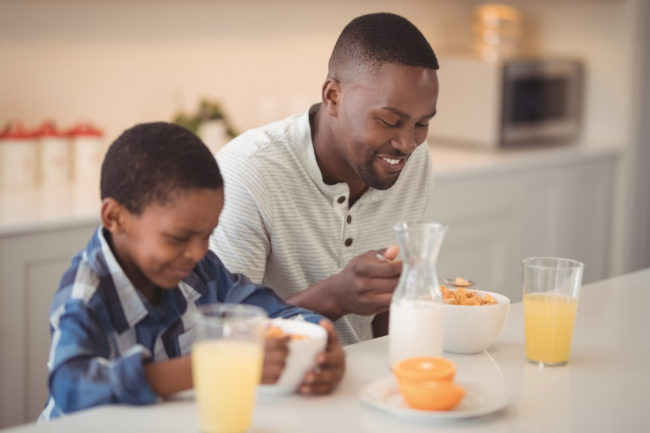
x=103, y=330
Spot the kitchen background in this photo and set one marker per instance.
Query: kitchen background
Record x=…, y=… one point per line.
x=120, y=62
x=116, y=63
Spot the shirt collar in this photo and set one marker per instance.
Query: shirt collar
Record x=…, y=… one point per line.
x=308, y=157
x=131, y=301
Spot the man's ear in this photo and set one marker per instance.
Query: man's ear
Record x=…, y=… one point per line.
x=113, y=215
x=331, y=96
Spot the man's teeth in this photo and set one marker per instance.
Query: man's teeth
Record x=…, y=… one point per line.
x=391, y=161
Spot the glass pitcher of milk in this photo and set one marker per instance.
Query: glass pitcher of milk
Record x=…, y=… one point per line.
x=416, y=313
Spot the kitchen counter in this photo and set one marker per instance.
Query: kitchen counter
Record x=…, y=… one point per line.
x=604, y=388
x=48, y=207
x=457, y=162
x=54, y=206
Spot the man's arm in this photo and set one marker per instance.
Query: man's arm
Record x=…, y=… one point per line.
x=317, y=298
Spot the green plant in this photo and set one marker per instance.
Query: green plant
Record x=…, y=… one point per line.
x=207, y=110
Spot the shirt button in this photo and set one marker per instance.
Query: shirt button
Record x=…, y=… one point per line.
x=349, y=219
x=348, y=242
x=341, y=199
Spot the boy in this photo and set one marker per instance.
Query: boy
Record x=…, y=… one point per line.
x=121, y=320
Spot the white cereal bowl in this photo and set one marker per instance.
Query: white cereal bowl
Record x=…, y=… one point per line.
x=474, y=328
x=301, y=357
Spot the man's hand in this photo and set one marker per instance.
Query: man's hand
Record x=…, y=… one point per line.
x=367, y=283
x=364, y=287
x=330, y=365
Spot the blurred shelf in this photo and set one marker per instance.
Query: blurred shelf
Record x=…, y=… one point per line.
x=49, y=207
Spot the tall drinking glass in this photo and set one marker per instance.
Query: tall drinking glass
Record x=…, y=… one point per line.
x=227, y=365
x=551, y=290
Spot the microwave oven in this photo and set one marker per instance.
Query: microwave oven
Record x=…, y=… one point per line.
x=508, y=102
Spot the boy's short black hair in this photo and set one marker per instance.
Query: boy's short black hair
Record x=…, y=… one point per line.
x=150, y=161
x=379, y=38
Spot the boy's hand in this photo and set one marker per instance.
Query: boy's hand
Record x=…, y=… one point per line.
x=330, y=365
x=275, y=356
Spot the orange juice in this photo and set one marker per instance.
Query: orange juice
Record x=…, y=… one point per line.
x=548, y=325
x=226, y=374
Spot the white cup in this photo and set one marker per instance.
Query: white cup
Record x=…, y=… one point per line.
x=87, y=153
x=18, y=158
x=309, y=340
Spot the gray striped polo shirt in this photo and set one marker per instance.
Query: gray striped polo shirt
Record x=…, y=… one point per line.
x=285, y=228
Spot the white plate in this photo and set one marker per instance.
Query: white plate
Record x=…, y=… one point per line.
x=481, y=398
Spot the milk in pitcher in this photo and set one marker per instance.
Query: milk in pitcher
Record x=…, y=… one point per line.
x=415, y=328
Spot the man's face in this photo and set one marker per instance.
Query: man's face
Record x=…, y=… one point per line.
x=161, y=245
x=382, y=118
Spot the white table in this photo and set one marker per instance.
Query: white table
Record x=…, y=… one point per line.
x=605, y=387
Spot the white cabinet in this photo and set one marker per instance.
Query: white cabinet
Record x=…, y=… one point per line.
x=556, y=207
x=31, y=265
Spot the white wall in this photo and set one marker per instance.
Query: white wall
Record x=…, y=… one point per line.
x=122, y=62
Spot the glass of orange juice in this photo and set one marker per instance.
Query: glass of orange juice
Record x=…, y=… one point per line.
x=227, y=365
x=551, y=290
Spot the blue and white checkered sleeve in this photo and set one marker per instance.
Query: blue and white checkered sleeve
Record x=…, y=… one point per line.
x=238, y=288
x=83, y=370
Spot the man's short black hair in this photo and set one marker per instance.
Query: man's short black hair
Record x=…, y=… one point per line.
x=374, y=39
x=151, y=161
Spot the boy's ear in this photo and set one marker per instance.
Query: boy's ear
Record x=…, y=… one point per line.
x=331, y=96
x=113, y=215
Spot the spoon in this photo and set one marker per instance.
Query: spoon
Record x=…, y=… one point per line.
x=458, y=282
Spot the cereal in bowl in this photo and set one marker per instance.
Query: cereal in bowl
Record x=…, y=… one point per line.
x=461, y=296
x=277, y=332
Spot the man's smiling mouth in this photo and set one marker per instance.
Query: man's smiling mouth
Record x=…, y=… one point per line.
x=392, y=161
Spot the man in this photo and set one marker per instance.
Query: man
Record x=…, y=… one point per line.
x=312, y=199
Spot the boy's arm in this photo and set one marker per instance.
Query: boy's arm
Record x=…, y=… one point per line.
x=238, y=288
x=169, y=377
x=83, y=371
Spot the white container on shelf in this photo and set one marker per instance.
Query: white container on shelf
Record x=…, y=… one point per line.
x=88, y=152
x=214, y=133
x=497, y=32
x=18, y=158
x=55, y=154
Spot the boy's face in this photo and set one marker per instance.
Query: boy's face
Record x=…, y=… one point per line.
x=161, y=246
